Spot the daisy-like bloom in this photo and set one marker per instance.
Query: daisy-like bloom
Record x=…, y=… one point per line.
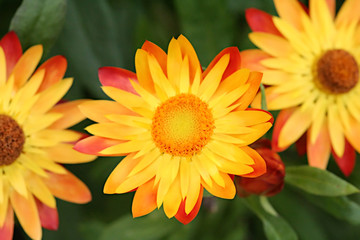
x=34, y=141
x=181, y=129
x=310, y=60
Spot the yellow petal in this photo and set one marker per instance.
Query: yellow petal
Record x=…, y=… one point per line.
x=336, y=130
x=295, y=126
x=49, y=97
x=291, y=11
x=40, y=190
x=172, y=199
x=229, y=151
x=27, y=214
x=2, y=67
x=174, y=61
x=193, y=191
x=212, y=80
x=15, y=175
x=64, y=153
x=272, y=44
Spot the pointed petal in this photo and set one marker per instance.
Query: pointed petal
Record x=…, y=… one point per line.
x=156, y=51
x=227, y=192
x=185, y=218
x=117, y=77
x=245, y=100
x=188, y=50
x=27, y=214
x=272, y=44
x=144, y=200
x=295, y=126
x=96, y=110
x=71, y=114
x=119, y=174
x=55, y=68
x=12, y=48
x=260, y=21
x=291, y=11
x=318, y=152
x=281, y=119
x=26, y=65
x=143, y=71
x=49, y=217
x=173, y=199
x=259, y=165
x=252, y=58
x=94, y=145
x=346, y=162
x=7, y=230
x=67, y=187
x=349, y=12
x=64, y=153
x=234, y=62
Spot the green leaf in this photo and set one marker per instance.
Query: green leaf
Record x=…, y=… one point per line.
x=318, y=182
x=152, y=227
x=39, y=22
x=275, y=227
x=263, y=98
x=341, y=207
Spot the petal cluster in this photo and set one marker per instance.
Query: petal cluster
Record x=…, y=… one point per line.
x=29, y=102
x=181, y=129
x=310, y=60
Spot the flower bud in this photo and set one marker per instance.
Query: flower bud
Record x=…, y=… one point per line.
x=271, y=182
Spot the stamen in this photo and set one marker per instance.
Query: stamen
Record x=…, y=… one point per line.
x=11, y=140
x=182, y=125
x=337, y=71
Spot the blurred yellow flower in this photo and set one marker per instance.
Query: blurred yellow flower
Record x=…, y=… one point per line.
x=310, y=60
x=180, y=128
x=34, y=140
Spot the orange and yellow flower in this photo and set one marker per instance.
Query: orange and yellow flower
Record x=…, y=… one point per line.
x=181, y=129
x=310, y=60
x=34, y=140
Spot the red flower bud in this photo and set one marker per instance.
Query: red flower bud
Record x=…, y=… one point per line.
x=269, y=183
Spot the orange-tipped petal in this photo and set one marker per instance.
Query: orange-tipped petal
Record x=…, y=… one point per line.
x=27, y=214
x=120, y=173
x=97, y=110
x=67, y=187
x=49, y=217
x=260, y=21
x=227, y=192
x=64, y=153
x=251, y=59
x=290, y=11
x=7, y=230
x=55, y=69
x=94, y=145
x=346, y=162
x=319, y=152
x=155, y=50
x=26, y=65
x=117, y=77
x=279, y=123
x=245, y=100
x=12, y=48
x=188, y=50
x=184, y=218
x=259, y=165
x=332, y=6
x=71, y=114
x=144, y=200
x=234, y=62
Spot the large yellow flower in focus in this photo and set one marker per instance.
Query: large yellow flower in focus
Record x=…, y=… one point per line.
x=310, y=60
x=180, y=128
x=34, y=142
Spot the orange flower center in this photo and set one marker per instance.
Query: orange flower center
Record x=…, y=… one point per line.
x=337, y=71
x=11, y=140
x=182, y=125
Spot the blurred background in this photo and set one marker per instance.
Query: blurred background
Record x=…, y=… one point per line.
x=96, y=33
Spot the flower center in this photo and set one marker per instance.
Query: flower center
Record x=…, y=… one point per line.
x=337, y=71
x=11, y=140
x=182, y=125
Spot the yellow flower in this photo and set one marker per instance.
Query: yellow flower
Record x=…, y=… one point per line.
x=310, y=60
x=34, y=140
x=180, y=128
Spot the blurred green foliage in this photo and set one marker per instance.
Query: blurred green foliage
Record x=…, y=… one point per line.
x=96, y=33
